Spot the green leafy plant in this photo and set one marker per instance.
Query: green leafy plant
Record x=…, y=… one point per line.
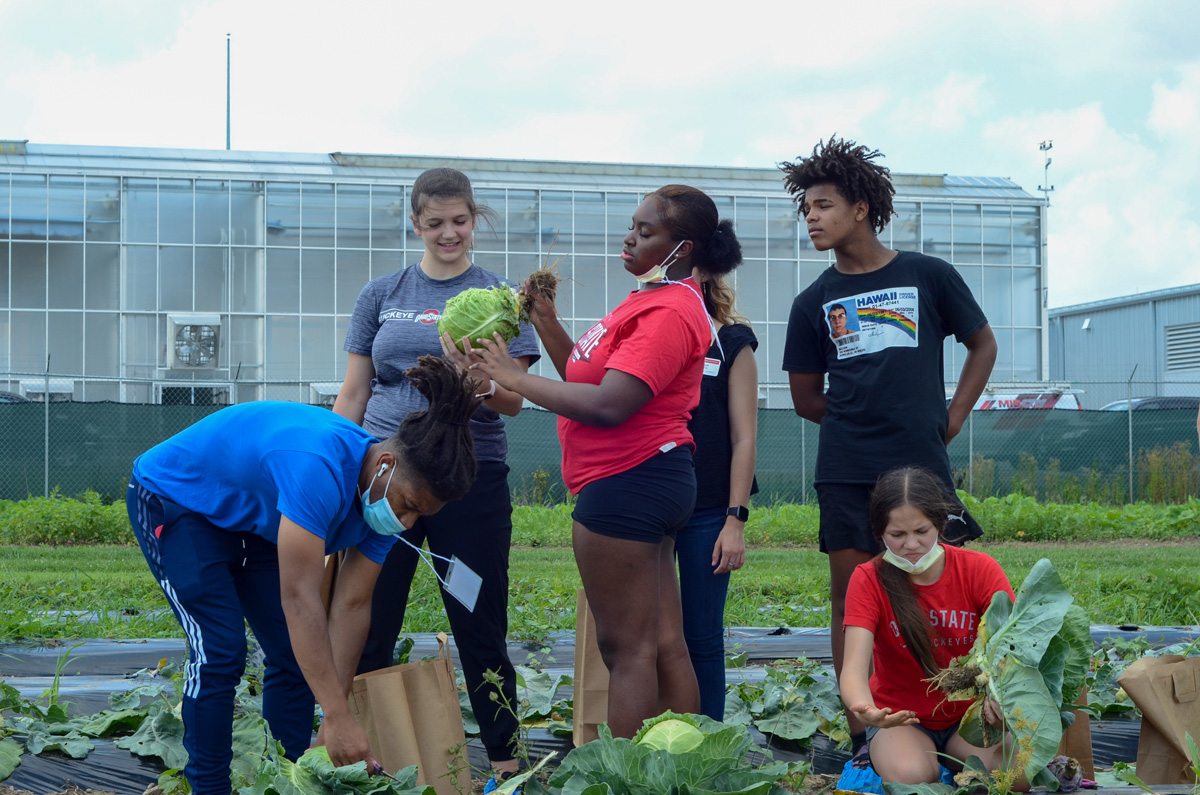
x=717, y=764
x=480, y=312
x=794, y=701
x=1030, y=656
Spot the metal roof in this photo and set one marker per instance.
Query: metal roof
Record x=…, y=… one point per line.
x=351, y=167
x=1123, y=300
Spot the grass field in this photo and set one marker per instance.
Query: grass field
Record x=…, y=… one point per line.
x=1117, y=582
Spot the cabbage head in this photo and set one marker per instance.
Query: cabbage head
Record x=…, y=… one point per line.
x=478, y=312
x=673, y=734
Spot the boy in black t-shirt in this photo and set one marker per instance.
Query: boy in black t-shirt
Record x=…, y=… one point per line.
x=875, y=322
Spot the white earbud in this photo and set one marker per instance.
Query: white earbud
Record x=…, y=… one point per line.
x=383, y=468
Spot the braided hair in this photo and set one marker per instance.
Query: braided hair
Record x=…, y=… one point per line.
x=435, y=443
x=851, y=169
x=920, y=488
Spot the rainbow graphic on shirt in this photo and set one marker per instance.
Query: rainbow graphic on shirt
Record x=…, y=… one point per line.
x=889, y=317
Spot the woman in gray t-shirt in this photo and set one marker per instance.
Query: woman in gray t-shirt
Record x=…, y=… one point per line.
x=395, y=322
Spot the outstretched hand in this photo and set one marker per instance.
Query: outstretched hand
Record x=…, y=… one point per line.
x=495, y=362
x=884, y=718
x=462, y=361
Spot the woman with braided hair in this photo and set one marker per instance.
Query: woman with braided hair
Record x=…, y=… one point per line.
x=629, y=386
x=235, y=516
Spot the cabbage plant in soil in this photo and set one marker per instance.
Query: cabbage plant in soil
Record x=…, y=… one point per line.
x=672, y=753
x=1031, y=656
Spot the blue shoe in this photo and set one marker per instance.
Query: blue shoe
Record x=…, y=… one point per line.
x=494, y=783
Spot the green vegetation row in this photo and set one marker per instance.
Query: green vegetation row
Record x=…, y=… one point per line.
x=89, y=520
x=102, y=591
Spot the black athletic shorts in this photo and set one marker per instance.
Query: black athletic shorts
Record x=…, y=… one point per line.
x=844, y=524
x=652, y=500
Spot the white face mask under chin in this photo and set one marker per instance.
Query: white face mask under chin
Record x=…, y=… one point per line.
x=904, y=564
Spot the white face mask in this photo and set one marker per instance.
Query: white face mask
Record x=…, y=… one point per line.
x=659, y=272
x=904, y=564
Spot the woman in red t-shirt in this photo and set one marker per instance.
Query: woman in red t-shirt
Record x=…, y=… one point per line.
x=910, y=611
x=629, y=386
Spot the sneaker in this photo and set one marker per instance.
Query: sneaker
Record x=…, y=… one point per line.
x=494, y=783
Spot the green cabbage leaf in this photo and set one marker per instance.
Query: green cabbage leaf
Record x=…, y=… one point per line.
x=479, y=312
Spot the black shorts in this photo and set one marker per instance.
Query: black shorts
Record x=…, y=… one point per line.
x=844, y=523
x=652, y=500
x=940, y=738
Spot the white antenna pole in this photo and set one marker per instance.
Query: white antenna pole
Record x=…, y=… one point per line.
x=227, y=35
x=1045, y=147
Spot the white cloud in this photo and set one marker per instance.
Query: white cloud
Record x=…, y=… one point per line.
x=945, y=108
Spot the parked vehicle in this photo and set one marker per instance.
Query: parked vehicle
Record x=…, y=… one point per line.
x=12, y=397
x=1026, y=397
x=1154, y=404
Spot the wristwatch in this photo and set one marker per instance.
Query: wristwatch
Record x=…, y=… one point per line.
x=739, y=512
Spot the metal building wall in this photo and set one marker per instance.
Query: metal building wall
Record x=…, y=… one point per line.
x=1123, y=334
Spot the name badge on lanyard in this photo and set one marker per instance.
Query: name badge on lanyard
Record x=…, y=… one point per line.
x=712, y=366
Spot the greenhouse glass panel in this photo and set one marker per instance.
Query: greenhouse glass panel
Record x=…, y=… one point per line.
x=101, y=342
x=65, y=266
x=905, y=226
x=781, y=229
x=557, y=225
x=316, y=281
x=28, y=275
x=316, y=215
x=751, y=225
x=353, y=216
x=1027, y=297
x=1027, y=354
x=389, y=216
x=317, y=349
x=212, y=212
x=176, y=208
x=935, y=230
x=591, y=234
x=283, y=214
x=246, y=279
x=283, y=276
x=247, y=201
x=28, y=343
x=65, y=342
x=65, y=209
x=212, y=279
x=176, y=285
x=103, y=209
x=353, y=273
x=522, y=221
x=967, y=234
x=997, y=295
x=102, y=276
x=28, y=208
x=141, y=278
x=591, y=296
x=283, y=348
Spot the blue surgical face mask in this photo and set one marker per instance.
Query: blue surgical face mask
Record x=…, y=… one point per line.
x=659, y=272
x=379, y=515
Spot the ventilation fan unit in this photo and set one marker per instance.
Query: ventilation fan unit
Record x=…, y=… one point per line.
x=193, y=341
x=324, y=393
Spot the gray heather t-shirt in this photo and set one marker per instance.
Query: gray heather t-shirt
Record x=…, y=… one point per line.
x=394, y=322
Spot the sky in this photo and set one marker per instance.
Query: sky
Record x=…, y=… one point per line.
x=939, y=86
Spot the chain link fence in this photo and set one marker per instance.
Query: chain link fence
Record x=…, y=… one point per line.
x=1141, y=452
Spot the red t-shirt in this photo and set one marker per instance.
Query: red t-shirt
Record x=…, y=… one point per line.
x=659, y=336
x=955, y=604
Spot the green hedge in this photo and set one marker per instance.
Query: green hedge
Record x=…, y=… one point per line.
x=88, y=520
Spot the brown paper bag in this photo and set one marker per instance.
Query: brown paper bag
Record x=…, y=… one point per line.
x=411, y=716
x=1077, y=740
x=591, y=676
x=1167, y=691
